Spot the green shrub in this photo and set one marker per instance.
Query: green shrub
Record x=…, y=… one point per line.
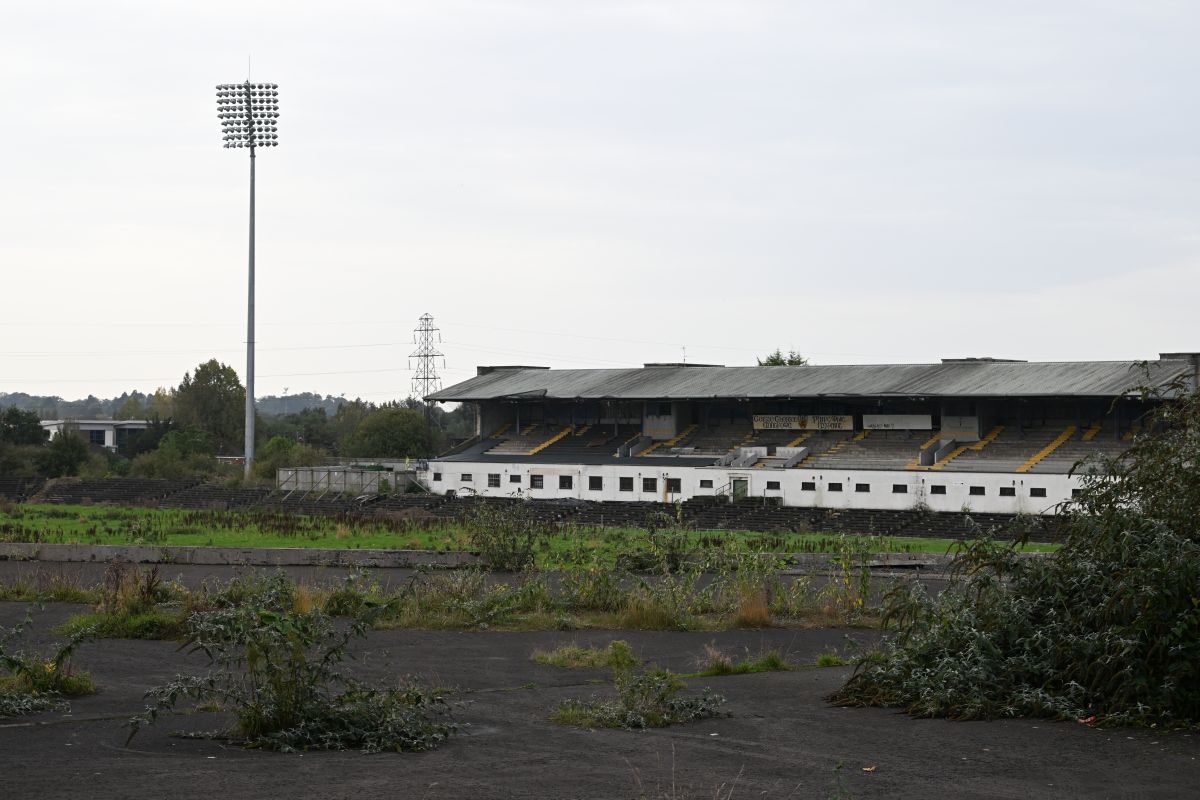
x=506, y=535
x=644, y=700
x=1105, y=628
x=278, y=674
x=586, y=583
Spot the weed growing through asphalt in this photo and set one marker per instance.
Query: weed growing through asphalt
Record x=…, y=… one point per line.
x=278, y=673
x=617, y=655
x=646, y=699
x=32, y=682
x=716, y=662
x=47, y=587
x=129, y=606
x=831, y=660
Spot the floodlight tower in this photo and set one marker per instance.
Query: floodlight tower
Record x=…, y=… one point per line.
x=248, y=113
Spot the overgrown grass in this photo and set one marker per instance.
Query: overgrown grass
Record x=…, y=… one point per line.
x=678, y=587
x=831, y=660
x=153, y=624
x=716, y=663
x=65, y=524
x=617, y=656
x=44, y=587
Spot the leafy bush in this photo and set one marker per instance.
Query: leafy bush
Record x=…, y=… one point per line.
x=1106, y=628
x=644, y=700
x=506, y=535
x=278, y=673
x=586, y=583
x=274, y=590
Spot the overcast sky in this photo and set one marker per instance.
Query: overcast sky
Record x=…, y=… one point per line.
x=580, y=184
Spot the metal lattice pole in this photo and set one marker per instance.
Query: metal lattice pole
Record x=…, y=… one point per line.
x=248, y=113
x=425, y=378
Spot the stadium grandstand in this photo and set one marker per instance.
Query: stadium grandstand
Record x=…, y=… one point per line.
x=984, y=434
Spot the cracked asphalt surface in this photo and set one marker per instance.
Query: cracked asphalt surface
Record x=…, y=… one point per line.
x=781, y=740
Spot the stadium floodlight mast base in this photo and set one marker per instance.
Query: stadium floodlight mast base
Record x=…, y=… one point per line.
x=249, y=113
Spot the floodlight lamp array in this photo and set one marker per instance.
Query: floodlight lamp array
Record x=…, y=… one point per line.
x=248, y=114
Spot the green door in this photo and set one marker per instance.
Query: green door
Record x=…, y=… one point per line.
x=741, y=488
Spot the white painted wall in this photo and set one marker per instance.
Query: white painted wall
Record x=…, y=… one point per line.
x=918, y=485
x=86, y=426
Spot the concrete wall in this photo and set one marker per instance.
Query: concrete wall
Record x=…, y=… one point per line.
x=881, y=495
x=661, y=426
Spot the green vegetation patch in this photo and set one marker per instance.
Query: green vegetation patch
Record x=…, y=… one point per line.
x=31, y=683
x=717, y=664
x=617, y=655
x=278, y=674
x=508, y=541
x=648, y=699
x=1105, y=630
x=153, y=624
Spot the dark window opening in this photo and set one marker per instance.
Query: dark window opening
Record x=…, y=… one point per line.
x=899, y=488
x=1037, y=491
x=978, y=491
x=937, y=488
x=649, y=484
x=536, y=481
x=595, y=483
x=674, y=485
x=494, y=480
x=772, y=485
x=466, y=477
x=706, y=484
x=626, y=484
x=862, y=487
x=808, y=486
x=514, y=478
x=437, y=476
x=835, y=487
x=566, y=482
x=1008, y=491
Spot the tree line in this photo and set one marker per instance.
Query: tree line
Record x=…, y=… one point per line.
x=203, y=417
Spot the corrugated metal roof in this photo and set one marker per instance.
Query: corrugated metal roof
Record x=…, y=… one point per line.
x=957, y=379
